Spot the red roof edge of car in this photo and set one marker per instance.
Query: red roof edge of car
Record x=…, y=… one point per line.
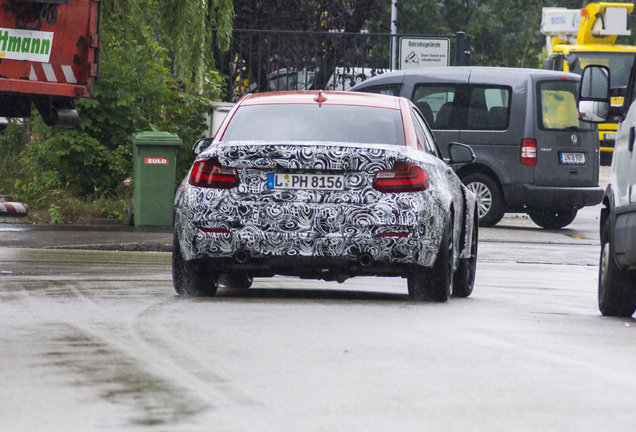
x=328, y=97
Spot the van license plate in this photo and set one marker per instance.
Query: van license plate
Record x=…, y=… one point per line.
x=572, y=158
x=305, y=181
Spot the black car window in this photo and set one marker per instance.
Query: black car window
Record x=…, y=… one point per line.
x=620, y=63
x=313, y=122
x=424, y=136
x=419, y=132
x=435, y=102
x=463, y=106
x=387, y=89
x=627, y=102
x=489, y=108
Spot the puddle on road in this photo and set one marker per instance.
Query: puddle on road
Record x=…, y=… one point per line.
x=118, y=378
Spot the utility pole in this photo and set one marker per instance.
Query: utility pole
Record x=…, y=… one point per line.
x=393, y=34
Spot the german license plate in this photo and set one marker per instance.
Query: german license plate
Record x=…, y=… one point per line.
x=572, y=158
x=305, y=181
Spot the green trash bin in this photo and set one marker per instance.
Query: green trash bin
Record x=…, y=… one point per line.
x=154, y=168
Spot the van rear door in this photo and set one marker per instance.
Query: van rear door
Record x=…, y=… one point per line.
x=567, y=148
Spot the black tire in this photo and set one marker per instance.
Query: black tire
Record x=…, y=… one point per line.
x=490, y=203
x=191, y=278
x=464, y=278
x=553, y=218
x=616, y=290
x=434, y=284
x=236, y=280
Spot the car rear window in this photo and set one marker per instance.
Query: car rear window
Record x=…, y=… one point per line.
x=558, y=106
x=313, y=122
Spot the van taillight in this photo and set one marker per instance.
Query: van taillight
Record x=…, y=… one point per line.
x=404, y=177
x=529, y=152
x=208, y=172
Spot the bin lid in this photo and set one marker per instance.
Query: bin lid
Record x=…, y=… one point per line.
x=156, y=139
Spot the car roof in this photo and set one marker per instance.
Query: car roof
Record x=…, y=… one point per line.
x=462, y=72
x=321, y=97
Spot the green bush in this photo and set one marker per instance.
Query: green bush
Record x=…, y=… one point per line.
x=10, y=149
x=85, y=167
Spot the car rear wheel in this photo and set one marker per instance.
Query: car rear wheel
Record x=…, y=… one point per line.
x=236, y=280
x=616, y=295
x=553, y=218
x=490, y=204
x=434, y=284
x=191, y=278
x=464, y=278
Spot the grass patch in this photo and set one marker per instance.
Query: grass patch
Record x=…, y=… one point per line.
x=57, y=206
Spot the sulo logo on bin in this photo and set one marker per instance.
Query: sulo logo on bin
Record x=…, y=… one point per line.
x=156, y=161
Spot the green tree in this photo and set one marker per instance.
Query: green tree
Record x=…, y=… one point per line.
x=315, y=15
x=502, y=32
x=150, y=77
x=420, y=17
x=184, y=27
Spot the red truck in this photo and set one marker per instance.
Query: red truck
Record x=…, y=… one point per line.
x=49, y=52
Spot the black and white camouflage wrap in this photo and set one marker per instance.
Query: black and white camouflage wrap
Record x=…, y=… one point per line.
x=272, y=223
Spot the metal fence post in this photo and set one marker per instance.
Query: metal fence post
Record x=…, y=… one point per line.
x=467, y=51
x=245, y=69
x=460, y=48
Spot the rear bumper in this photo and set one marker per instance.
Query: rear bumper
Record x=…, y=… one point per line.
x=323, y=268
x=250, y=245
x=521, y=197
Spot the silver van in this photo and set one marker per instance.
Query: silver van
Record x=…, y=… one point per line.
x=617, y=265
x=533, y=155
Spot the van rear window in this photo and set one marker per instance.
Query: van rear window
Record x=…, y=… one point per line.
x=558, y=106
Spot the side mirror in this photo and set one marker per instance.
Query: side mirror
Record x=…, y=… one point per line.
x=548, y=64
x=201, y=145
x=460, y=153
x=594, y=94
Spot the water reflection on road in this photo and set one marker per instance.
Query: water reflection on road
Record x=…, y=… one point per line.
x=98, y=340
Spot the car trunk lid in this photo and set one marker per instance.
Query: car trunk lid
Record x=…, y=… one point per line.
x=308, y=172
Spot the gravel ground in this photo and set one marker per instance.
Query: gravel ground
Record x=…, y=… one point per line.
x=603, y=177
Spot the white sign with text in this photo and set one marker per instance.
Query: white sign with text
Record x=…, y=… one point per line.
x=424, y=52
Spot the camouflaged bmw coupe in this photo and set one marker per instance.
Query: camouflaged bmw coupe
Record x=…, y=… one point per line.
x=325, y=185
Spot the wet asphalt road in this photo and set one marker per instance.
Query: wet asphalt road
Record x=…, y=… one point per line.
x=94, y=338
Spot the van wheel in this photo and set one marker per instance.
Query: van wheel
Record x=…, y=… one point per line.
x=616, y=295
x=553, y=219
x=490, y=205
x=191, y=278
x=434, y=284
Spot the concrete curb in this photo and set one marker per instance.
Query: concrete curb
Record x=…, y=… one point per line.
x=118, y=247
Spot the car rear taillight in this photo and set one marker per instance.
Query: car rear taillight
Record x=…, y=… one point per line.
x=211, y=174
x=529, y=152
x=215, y=230
x=392, y=234
x=404, y=177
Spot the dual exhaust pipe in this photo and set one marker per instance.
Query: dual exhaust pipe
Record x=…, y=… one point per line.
x=242, y=256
